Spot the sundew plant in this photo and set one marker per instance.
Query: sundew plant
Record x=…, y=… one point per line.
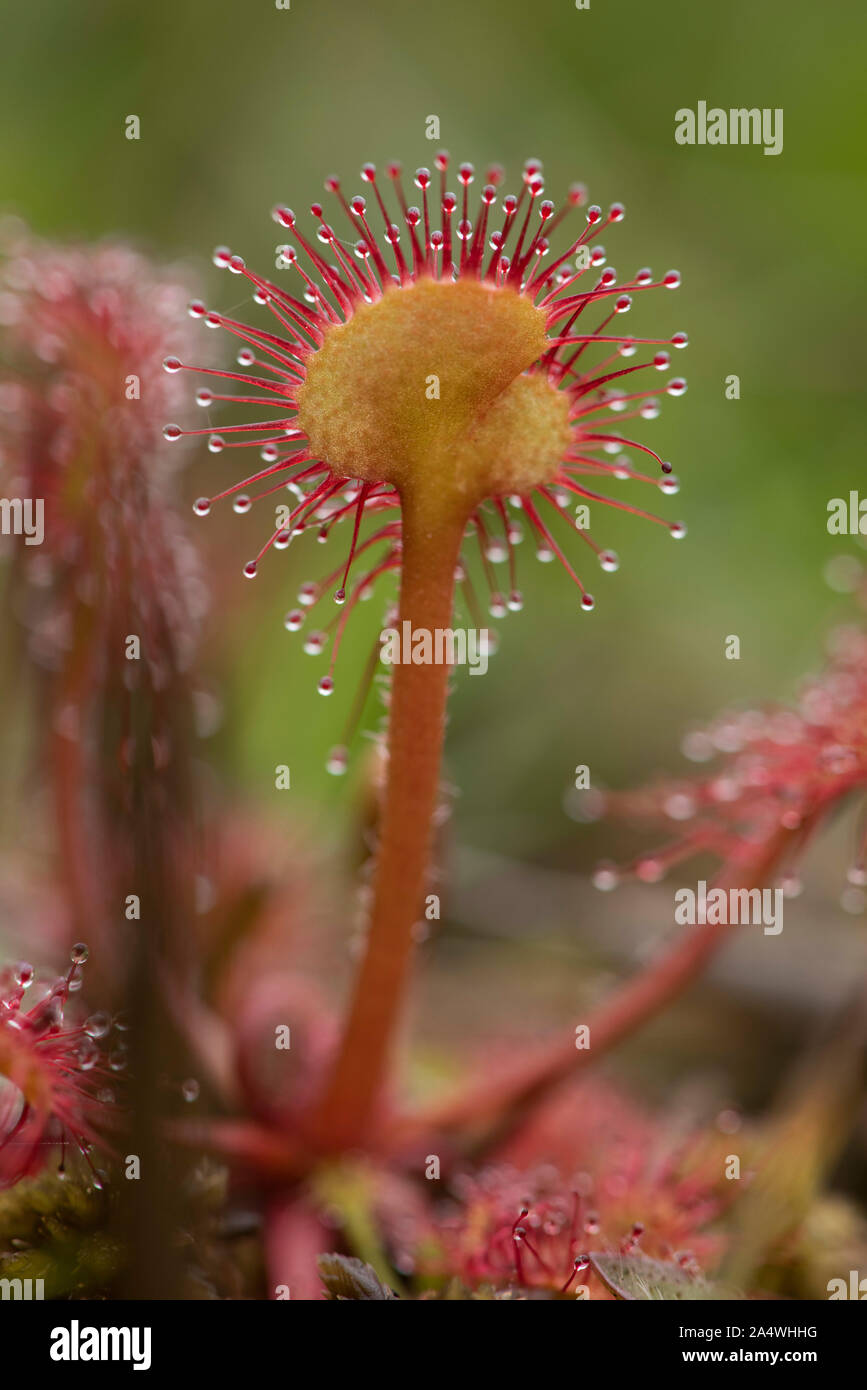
x=461, y=391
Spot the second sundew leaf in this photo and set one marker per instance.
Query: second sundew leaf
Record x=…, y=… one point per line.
x=637, y=1278
x=347, y=1278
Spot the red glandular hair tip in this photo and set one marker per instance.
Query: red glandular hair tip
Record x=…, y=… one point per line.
x=55, y=1077
x=506, y=251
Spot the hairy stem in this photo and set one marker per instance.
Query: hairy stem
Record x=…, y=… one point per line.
x=432, y=534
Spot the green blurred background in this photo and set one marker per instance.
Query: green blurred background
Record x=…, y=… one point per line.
x=244, y=105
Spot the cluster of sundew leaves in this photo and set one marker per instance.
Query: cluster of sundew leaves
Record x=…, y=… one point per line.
x=58, y=1095
x=516, y=256
x=554, y=1239
x=626, y=1277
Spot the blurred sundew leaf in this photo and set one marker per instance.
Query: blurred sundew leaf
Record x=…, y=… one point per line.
x=831, y=1238
x=800, y=1143
x=350, y=1188
x=637, y=1278
x=346, y=1278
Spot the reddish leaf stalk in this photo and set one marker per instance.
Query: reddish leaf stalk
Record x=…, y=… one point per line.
x=432, y=534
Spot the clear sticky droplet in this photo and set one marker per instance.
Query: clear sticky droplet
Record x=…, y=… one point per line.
x=337, y=761
x=605, y=877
